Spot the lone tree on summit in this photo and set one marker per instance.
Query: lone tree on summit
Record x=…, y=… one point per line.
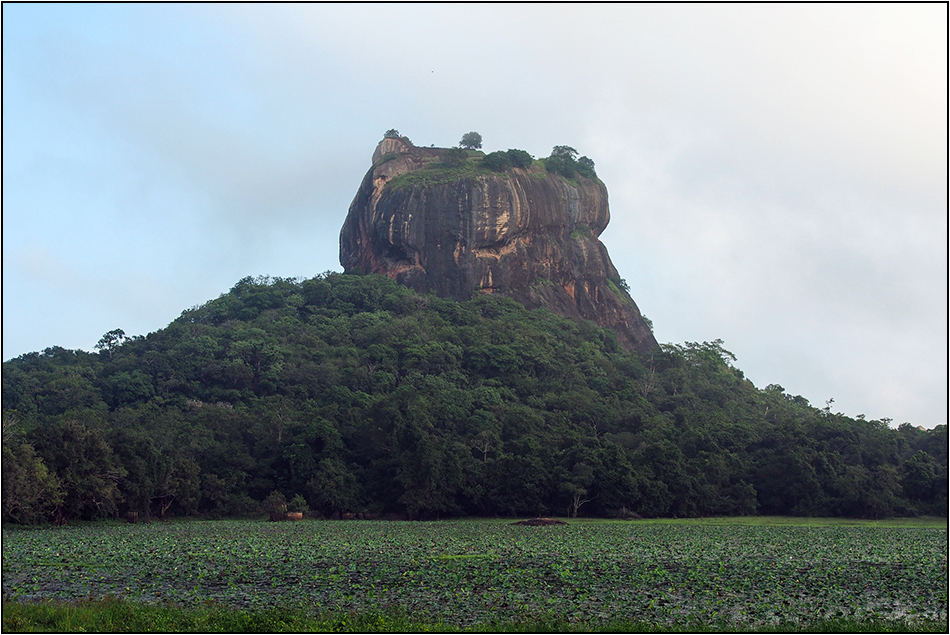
x=471, y=141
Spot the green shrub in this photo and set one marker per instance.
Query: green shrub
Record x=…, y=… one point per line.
x=564, y=166
x=581, y=230
x=519, y=158
x=585, y=167
x=298, y=504
x=563, y=161
x=240, y=505
x=497, y=161
x=453, y=157
x=566, y=152
x=274, y=503
x=620, y=282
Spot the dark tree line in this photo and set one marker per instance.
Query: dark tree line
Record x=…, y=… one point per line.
x=353, y=394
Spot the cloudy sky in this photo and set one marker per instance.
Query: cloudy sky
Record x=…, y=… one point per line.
x=777, y=173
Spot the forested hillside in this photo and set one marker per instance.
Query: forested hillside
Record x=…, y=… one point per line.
x=353, y=394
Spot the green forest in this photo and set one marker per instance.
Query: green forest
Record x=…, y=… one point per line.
x=348, y=394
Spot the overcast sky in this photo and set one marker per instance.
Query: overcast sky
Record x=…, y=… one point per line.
x=777, y=173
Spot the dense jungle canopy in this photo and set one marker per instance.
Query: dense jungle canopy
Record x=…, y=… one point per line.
x=353, y=394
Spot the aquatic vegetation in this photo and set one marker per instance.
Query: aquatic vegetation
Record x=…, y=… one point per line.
x=471, y=572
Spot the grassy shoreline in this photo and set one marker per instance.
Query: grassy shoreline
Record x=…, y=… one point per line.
x=123, y=616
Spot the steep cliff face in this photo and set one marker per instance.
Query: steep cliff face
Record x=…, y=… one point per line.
x=523, y=233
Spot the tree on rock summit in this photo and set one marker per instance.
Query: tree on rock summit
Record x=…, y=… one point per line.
x=471, y=141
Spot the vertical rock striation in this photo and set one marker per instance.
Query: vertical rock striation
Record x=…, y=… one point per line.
x=524, y=233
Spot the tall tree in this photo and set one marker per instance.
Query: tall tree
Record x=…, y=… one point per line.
x=85, y=465
x=471, y=141
x=30, y=491
x=111, y=341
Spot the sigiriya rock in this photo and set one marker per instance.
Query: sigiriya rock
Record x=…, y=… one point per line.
x=522, y=232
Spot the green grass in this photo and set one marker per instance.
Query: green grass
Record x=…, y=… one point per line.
x=436, y=173
x=118, y=616
x=542, y=282
x=582, y=231
x=114, y=615
x=625, y=298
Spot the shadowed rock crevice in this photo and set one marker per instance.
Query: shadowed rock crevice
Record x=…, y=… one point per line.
x=524, y=233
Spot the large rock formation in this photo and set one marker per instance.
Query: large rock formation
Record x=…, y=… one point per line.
x=524, y=233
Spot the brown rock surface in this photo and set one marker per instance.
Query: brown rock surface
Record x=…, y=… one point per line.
x=524, y=233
